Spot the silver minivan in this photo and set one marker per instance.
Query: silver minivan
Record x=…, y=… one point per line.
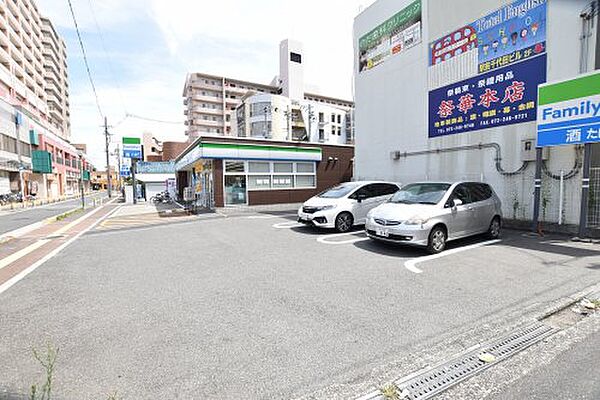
x=431, y=213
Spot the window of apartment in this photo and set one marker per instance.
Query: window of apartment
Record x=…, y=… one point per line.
x=8, y=143
x=295, y=57
x=321, y=134
x=321, y=117
x=339, y=131
x=228, y=117
x=333, y=130
x=339, y=119
x=332, y=117
x=219, y=130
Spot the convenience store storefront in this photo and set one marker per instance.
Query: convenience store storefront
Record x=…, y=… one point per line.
x=218, y=171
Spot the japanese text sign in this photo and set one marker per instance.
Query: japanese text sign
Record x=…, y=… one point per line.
x=502, y=97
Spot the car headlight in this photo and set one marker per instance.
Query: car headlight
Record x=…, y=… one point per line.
x=325, y=208
x=416, y=221
x=370, y=214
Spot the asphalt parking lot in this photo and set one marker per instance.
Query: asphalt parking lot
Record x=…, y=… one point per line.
x=257, y=306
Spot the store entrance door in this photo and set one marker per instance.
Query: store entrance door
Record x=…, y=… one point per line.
x=236, y=192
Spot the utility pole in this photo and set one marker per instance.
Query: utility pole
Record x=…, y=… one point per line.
x=18, y=121
x=107, y=140
x=81, y=181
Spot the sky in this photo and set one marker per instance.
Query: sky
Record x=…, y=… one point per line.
x=140, y=51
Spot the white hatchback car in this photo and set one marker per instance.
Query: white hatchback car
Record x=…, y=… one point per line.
x=345, y=205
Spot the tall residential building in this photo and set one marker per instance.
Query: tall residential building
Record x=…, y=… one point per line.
x=56, y=79
x=210, y=100
x=21, y=60
x=35, y=154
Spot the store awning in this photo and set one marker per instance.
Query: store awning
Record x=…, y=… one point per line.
x=243, y=151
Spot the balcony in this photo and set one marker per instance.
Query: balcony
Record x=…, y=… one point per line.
x=200, y=84
x=210, y=99
x=204, y=122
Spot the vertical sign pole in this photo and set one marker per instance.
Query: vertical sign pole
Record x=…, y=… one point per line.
x=585, y=189
x=133, y=167
x=538, y=188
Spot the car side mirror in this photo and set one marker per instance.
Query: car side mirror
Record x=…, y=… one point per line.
x=456, y=203
x=360, y=197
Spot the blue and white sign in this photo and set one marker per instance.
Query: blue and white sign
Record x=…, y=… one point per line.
x=569, y=112
x=132, y=151
x=502, y=97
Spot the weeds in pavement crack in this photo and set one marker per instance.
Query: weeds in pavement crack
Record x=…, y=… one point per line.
x=47, y=361
x=390, y=392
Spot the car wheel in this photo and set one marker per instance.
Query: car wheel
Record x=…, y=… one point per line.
x=437, y=240
x=494, y=229
x=344, y=222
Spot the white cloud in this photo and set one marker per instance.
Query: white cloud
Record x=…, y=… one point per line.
x=229, y=37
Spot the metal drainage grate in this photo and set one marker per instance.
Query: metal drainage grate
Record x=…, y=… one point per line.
x=444, y=376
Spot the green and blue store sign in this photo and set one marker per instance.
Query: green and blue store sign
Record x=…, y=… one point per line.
x=569, y=111
x=231, y=151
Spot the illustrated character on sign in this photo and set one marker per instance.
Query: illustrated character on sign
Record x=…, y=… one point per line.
x=495, y=46
x=534, y=28
x=486, y=48
x=524, y=33
x=504, y=41
x=513, y=37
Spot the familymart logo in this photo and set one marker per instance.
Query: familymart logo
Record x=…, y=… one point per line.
x=569, y=111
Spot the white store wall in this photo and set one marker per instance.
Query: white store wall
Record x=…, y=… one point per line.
x=392, y=110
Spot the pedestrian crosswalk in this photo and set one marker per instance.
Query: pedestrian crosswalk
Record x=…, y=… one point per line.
x=119, y=222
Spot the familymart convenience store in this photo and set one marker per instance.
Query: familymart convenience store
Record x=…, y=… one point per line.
x=219, y=171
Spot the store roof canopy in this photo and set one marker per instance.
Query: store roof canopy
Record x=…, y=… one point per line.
x=248, y=151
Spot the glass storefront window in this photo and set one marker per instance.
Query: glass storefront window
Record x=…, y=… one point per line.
x=283, y=181
x=305, y=168
x=259, y=167
x=283, y=167
x=305, y=181
x=235, y=189
x=259, y=182
x=234, y=166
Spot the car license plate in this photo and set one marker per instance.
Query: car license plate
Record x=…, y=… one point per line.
x=382, y=232
x=305, y=217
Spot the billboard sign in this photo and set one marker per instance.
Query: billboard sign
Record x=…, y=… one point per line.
x=503, y=97
x=569, y=111
x=504, y=37
x=132, y=147
x=399, y=33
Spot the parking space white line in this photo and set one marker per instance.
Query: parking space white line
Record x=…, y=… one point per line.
x=287, y=225
x=411, y=265
x=270, y=216
x=324, y=239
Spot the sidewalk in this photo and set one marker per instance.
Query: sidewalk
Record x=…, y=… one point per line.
x=28, y=205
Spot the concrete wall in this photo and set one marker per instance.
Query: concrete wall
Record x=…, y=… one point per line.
x=392, y=109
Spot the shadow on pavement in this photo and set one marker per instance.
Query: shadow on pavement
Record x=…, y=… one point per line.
x=554, y=244
x=314, y=231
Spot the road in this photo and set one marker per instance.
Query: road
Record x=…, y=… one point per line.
x=258, y=308
x=11, y=220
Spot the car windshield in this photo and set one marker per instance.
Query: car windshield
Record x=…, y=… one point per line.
x=420, y=193
x=338, y=191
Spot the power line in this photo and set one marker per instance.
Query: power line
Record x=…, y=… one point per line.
x=87, y=66
x=154, y=120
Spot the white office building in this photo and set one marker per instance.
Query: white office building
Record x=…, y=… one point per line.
x=448, y=91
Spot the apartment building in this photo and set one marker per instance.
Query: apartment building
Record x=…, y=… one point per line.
x=56, y=79
x=210, y=100
x=34, y=105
